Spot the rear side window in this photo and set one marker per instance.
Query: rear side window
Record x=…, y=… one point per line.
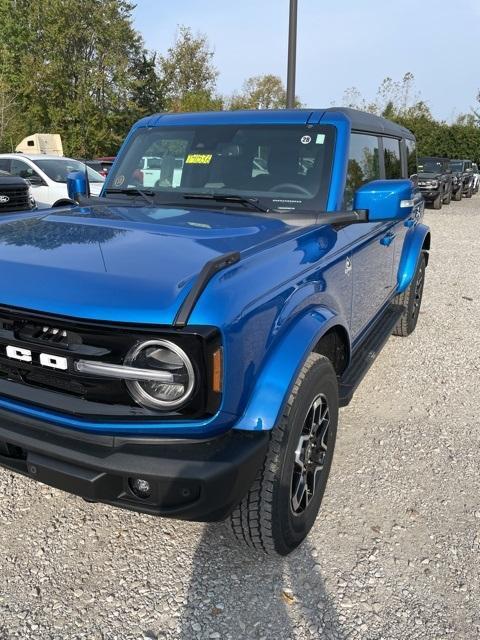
x=363, y=164
x=392, y=157
x=4, y=164
x=411, y=158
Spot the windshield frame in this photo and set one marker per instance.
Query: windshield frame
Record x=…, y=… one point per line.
x=269, y=200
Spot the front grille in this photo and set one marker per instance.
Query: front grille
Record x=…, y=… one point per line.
x=19, y=199
x=76, y=393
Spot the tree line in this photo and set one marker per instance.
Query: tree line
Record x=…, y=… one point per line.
x=81, y=69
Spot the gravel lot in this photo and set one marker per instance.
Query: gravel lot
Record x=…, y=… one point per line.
x=396, y=553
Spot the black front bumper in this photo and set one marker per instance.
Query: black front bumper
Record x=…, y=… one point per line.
x=430, y=194
x=190, y=480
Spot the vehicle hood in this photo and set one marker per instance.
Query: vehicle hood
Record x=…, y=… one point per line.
x=121, y=264
x=11, y=181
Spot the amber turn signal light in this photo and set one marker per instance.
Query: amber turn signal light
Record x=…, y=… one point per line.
x=217, y=370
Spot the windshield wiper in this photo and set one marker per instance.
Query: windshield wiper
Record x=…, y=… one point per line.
x=146, y=195
x=224, y=197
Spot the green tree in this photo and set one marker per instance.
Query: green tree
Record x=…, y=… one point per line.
x=187, y=74
x=76, y=68
x=261, y=92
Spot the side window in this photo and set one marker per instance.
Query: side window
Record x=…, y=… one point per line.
x=22, y=169
x=393, y=162
x=5, y=164
x=411, y=158
x=363, y=164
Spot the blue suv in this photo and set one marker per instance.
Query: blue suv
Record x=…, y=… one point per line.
x=181, y=345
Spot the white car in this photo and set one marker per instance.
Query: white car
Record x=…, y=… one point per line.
x=48, y=176
x=166, y=170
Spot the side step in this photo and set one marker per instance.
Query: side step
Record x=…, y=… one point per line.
x=367, y=351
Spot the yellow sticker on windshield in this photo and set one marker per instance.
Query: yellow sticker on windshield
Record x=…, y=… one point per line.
x=199, y=158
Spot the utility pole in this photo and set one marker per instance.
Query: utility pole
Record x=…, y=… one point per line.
x=292, y=54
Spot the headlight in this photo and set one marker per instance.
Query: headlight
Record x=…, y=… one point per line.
x=161, y=355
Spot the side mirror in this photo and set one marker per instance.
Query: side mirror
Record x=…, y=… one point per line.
x=385, y=199
x=77, y=185
x=35, y=180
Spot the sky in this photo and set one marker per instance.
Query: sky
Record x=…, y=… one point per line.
x=341, y=43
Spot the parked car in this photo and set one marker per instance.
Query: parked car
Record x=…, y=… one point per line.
x=96, y=165
x=184, y=350
x=15, y=194
x=48, y=176
x=463, y=171
x=435, y=180
x=106, y=162
x=476, y=177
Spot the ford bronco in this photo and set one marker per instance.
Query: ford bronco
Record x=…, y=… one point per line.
x=182, y=349
x=463, y=170
x=435, y=180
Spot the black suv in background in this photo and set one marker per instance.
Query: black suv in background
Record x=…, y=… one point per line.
x=463, y=171
x=14, y=194
x=435, y=180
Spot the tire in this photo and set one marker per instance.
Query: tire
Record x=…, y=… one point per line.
x=411, y=300
x=457, y=195
x=448, y=198
x=271, y=518
x=437, y=203
x=469, y=192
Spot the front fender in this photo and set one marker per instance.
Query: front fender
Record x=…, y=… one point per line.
x=417, y=237
x=279, y=373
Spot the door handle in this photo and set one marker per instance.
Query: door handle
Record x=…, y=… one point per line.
x=388, y=239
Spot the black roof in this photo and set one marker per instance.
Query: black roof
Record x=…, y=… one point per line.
x=364, y=121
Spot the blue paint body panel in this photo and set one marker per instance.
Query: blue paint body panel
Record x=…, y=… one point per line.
x=291, y=285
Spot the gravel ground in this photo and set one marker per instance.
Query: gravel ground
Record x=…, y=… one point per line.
x=395, y=553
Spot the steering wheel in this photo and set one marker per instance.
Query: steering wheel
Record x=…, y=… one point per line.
x=286, y=186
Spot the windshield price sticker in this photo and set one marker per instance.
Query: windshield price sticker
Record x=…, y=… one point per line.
x=199, y=158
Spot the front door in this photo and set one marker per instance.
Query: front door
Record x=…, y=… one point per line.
x=40, y=189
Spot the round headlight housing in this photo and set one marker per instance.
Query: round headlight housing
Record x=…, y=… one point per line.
x=161, y=355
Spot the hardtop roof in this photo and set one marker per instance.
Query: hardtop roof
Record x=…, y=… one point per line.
x=360, y=120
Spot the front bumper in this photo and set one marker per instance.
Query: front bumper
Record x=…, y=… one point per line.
x=429, y=194
x=191, y=480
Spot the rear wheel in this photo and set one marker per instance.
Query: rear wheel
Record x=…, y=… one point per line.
x=411, y=300
x=469, y=192
x=457, y=196
x=283, y=502
x=448, y=197
x=437, y=203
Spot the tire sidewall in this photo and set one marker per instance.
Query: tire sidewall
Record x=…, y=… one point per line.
x=288, y=528
x=412, y=320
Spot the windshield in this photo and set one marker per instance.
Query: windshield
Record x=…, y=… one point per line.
x=456, y=166
x=426, y=165
x=282, y=168
x=57, y=169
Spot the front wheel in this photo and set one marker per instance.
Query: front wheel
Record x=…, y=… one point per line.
x=411, y=300
x=437, y=203
x=457, y=195
x=283, y=502
x=448, y=197
x=469, y=192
